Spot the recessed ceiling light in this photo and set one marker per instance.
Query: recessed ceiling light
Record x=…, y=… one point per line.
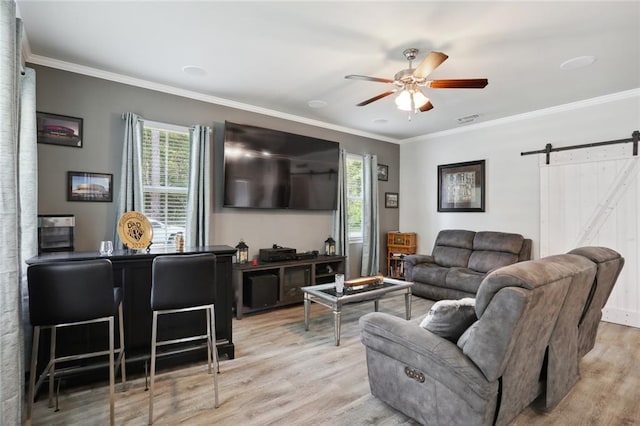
x=577, y=62
x=194, y=70
x=380, y=120
x=317, y=104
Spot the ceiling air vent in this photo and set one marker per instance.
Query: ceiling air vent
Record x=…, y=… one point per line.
x=467, y=119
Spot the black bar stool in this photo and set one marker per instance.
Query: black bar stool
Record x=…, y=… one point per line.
x=64, y=294
x=182, y=283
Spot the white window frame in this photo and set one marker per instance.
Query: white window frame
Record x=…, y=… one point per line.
x=166, y=127
x=356, y=237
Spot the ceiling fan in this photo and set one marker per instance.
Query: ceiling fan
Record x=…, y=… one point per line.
x=409, y=82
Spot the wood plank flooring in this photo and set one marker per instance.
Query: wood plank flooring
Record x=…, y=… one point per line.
x=283, y=375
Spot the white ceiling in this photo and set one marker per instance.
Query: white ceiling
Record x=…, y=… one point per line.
x=274, y=57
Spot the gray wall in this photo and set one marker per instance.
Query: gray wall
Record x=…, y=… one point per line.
x=100, y=103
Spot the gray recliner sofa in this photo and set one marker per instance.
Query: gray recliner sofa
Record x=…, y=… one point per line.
x=525, y=312
x=460, y=260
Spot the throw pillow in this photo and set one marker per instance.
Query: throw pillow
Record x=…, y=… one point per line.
x=450, y=318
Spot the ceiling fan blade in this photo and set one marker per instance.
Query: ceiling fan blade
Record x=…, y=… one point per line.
x=430, y=63
x=375, y=98
x=426, y=107
x=469, y=83
x=367, y=78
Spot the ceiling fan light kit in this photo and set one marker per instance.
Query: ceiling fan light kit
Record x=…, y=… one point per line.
x=409, y=83
x=411, y=100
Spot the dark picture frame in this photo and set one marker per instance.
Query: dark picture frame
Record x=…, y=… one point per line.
x=391, y=200
x=56, y=129
x=88, y=186
x=383, y=172
x=461, y=187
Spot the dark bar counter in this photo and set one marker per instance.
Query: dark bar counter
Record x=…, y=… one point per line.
x=132, y=272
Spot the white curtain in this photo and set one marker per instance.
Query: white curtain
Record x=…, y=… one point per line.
x=340, y=217
x=130, y=195
x=199, y=199
x=370, y=225
x=18, y=211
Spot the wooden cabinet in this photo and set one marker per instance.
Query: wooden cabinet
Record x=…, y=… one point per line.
x=278, y=284
x=399, y=244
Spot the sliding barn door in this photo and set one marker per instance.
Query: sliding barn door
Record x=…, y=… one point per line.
x=591, y=197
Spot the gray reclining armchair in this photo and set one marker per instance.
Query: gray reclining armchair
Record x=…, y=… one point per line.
x=577, y=326
x=493, y=371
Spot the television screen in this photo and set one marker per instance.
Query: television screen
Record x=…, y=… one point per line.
x=270, y=169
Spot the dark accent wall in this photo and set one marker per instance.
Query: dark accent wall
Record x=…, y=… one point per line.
x=101, y=103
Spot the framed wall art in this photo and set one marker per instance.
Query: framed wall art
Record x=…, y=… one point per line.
x=383, y=172
x=391, y=200
x=59, y=129
x=461, y=187
x=86, y=186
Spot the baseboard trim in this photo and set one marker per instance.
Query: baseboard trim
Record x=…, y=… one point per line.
x=621, y=316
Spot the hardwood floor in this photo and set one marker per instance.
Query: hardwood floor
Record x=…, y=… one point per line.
x=283, y=375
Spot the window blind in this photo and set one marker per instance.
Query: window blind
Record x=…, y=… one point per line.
x=165, y=180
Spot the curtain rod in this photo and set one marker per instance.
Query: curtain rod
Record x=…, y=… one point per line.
x=548, y=149
x=167, y=125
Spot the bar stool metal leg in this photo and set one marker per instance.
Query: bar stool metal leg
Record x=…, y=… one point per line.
x=52, y=361
x=208, y=311
x=154, y=329
x=213, y=348
x=123, y=368
x=112, y=375
x=32, y=372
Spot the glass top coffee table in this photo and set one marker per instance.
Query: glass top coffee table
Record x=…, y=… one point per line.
x=325, y=294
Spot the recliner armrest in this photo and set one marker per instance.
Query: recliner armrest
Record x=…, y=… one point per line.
x=415, y=259
x=412, y=260
x=418, y=348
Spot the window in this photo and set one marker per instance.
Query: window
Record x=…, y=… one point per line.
x=354, y=196
x=165, y=180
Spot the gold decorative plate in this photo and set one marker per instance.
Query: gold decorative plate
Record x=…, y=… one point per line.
x=135, y=231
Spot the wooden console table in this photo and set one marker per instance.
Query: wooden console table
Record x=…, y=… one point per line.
x=132, y=272
x=288, y=278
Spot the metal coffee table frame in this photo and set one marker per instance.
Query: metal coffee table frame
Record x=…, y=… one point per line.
x=316, y=294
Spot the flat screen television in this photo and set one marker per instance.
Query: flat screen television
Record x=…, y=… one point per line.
x=270, y=169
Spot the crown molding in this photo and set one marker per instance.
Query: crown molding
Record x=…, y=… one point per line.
x=145, y=84
x=164, y=88
x=530, y=115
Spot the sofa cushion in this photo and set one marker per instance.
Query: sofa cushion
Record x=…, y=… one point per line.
x=450, y=318
x=498, y=241
x=455, y=238
x=451, y=256
x=430, y=273
x=485, y=261
x=464, y=279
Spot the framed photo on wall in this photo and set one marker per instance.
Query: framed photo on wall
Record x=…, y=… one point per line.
x=59, y=129
x=383, y=172
x=86, y=186
x=391, y=200
x=461, y=187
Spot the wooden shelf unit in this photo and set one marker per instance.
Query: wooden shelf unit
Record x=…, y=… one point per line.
x=291, y=275
x=399, y=244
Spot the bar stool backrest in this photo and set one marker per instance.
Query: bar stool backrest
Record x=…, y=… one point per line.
x=183, y=281
x=66, y=292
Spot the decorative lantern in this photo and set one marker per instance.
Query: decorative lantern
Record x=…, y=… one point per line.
x=243, y=252
x=330, y=246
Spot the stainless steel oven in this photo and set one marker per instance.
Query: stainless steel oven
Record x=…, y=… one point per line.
x=55, y=232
